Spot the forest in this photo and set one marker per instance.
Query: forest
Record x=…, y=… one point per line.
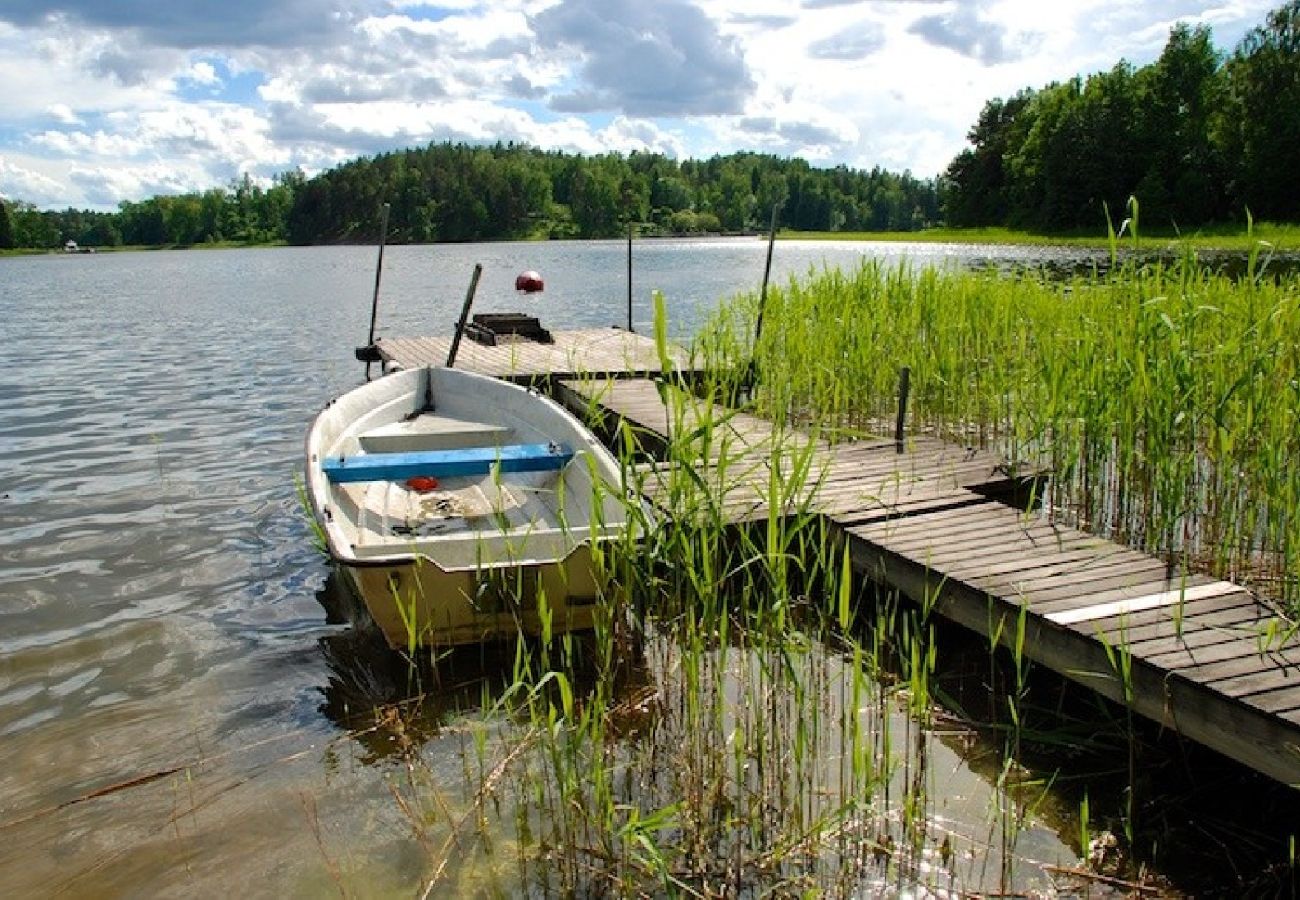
x=1198, y=136
x=458, y=192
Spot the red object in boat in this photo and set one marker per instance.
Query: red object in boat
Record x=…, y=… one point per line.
x=422, y=484
x=529, y=282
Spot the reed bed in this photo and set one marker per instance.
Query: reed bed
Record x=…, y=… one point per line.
x=1163, y=398
x=748, y=718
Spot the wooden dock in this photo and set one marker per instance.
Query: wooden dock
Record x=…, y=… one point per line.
x=611, y=352
x=1203, y=656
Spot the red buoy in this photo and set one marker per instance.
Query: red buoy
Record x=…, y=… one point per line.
x=529, y=282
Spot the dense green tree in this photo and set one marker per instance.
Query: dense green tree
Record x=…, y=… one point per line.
x=771, y=193
x=595, y=202
x=1183, y=94
x=34, y=229
x=1262, y=129
x=6, y=227
x=1193, y=138
x=735, y=202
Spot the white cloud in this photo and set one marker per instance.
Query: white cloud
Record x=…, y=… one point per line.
x=20, y=183
x=106, y=185
x=107, y=98
x=626, y=135
x=63, y=114
x=203, y=72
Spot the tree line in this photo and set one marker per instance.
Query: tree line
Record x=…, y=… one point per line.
x=245, y=213
x=1196, y=136
x=461, y=192
x=455, y=192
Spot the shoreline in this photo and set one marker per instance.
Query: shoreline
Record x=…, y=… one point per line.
x=1267, y=237
x=1278, y=238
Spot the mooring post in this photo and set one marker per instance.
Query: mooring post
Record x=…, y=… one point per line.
x=630, y=226
x=369, y=350
x=464, y=315
x=767, y=274
x=904, y=385
x=751, y=375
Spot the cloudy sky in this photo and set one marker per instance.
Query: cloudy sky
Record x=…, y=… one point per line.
x=105, y=100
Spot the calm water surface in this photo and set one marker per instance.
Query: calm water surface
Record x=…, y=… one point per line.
x=176, y=686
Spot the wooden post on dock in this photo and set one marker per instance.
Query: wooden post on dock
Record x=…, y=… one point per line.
x=630, y=226
x=904, y=385
x=464, y=315
x=767, y=274
x=368, y=353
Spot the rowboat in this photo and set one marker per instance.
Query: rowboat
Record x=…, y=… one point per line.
x=463, y=508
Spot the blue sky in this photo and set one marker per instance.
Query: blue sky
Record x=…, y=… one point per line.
x=110, y=101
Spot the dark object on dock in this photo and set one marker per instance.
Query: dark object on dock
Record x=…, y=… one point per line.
x=490, y=328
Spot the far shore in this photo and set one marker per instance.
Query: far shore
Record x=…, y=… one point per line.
x=1264, y=236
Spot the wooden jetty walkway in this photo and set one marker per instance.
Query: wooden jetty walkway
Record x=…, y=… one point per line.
x=590, y=351
x=1195, y=654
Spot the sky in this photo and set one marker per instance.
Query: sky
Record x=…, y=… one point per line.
x=112, y=100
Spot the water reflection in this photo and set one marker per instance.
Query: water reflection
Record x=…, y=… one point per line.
x=1001, y=806
x=389, y=703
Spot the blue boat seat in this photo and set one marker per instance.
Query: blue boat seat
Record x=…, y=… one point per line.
x=446, y=463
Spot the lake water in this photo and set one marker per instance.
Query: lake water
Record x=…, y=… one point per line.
x=178, y=698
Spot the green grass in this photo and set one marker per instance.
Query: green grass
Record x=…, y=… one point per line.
x=1281, y=237
x=748, y=716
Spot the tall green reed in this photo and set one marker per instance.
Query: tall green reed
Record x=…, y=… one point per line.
x=736, y=731
x=1162, y=396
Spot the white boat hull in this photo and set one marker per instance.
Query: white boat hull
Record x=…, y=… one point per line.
x=420, y=604
x=481, y=554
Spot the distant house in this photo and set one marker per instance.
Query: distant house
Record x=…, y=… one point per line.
x=71, y=247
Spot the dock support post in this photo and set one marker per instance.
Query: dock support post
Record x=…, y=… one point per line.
x=767, y=273
x=751, y=374
x=629, y=277
x=367, y=352
x=904, y=386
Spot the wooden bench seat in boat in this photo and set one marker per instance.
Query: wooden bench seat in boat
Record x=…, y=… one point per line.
x=431, y=432
x=463, y=461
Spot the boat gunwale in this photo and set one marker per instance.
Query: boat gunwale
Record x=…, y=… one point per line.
x=348, y=557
